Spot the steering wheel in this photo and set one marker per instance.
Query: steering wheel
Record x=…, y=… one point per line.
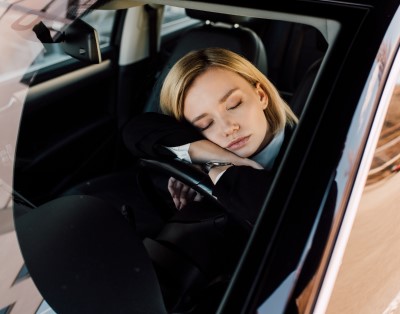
x=204, y=231
x=184, y=172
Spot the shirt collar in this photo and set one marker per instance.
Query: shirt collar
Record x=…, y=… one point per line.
x=267, y=155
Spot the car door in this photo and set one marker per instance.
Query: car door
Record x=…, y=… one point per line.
x=368, y=265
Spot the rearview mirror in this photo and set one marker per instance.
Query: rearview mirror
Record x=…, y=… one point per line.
x=81, y=41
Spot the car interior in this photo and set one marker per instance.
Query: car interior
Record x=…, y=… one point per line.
x=71, y=160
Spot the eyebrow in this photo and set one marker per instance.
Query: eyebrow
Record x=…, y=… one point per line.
x=222, y=99
x=225, y=97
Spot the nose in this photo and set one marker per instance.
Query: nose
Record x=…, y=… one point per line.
x=229, y=126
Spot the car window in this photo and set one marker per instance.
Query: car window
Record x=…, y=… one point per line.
x=370, y=264
x=173, y=14
x=174, y=21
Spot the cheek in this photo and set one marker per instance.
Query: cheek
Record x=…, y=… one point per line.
x=257, y=118
x=261, y=124
x=213, y=137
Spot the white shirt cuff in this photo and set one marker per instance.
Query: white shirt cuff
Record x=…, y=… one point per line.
x=219, y=176
x=182, y=152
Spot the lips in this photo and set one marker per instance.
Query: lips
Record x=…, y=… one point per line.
x=238, y=143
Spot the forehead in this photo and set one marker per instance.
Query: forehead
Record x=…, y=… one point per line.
x=218, y=72
x=211, y=88
x=215, y=82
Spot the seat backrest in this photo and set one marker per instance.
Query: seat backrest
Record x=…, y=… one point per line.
x=97, y=263
x=292, y=49
x=226, y=34
x=302, y=92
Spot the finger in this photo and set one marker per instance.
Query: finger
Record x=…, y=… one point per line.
x=176, y=187
x=256, y=165
x=173, y=191
x=171, y=186
x=191, y=194
x=183, y=196
x=184, y=191
x=171, y=181
x=253, y=164
x=183, y=202
x=198, y=197
x=177, y=203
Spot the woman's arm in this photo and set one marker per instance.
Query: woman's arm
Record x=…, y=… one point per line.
x=147, y=135
x=204, y=150
x=242, y=191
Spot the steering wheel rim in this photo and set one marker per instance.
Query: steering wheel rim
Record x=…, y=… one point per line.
x=184, y=172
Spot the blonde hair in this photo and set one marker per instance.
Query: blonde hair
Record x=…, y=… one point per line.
x=188, y=68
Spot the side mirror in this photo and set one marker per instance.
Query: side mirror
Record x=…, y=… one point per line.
x=81, y=41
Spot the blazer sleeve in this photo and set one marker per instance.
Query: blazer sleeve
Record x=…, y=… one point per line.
x=242, y=190
x=147, y=135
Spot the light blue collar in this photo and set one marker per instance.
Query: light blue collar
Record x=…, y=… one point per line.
x=267, y=155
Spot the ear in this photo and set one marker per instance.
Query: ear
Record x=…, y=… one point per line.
x=263, y=97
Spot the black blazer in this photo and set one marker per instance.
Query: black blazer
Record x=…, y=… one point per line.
x=241, y=189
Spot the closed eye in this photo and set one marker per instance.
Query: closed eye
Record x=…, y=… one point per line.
x=201, y=129
x=235, y=106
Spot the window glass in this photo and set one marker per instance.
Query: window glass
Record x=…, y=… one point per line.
x=175, y=20
x=19, y=47
x=173, y=14
x=368, y=280
x=102, y=21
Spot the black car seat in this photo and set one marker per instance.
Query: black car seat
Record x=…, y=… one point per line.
x=85, y=258
x=302, y=92
x=292, y=48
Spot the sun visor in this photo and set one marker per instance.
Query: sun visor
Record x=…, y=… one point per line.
x=120, y=4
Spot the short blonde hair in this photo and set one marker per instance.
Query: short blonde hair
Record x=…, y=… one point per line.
x=188, y=68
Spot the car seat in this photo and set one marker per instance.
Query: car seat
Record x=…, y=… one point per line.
x=85, y=258
x=292, y=49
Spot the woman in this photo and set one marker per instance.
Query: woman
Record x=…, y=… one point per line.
x=220, y=111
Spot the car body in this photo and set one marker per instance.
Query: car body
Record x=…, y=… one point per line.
x=335, y=200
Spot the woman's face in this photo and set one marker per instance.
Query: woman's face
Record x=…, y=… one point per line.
x=228, y=111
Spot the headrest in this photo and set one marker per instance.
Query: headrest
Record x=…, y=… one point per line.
x=217, y=17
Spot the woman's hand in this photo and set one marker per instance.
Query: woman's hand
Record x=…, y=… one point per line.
x=181, y=193
x=247, y=162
